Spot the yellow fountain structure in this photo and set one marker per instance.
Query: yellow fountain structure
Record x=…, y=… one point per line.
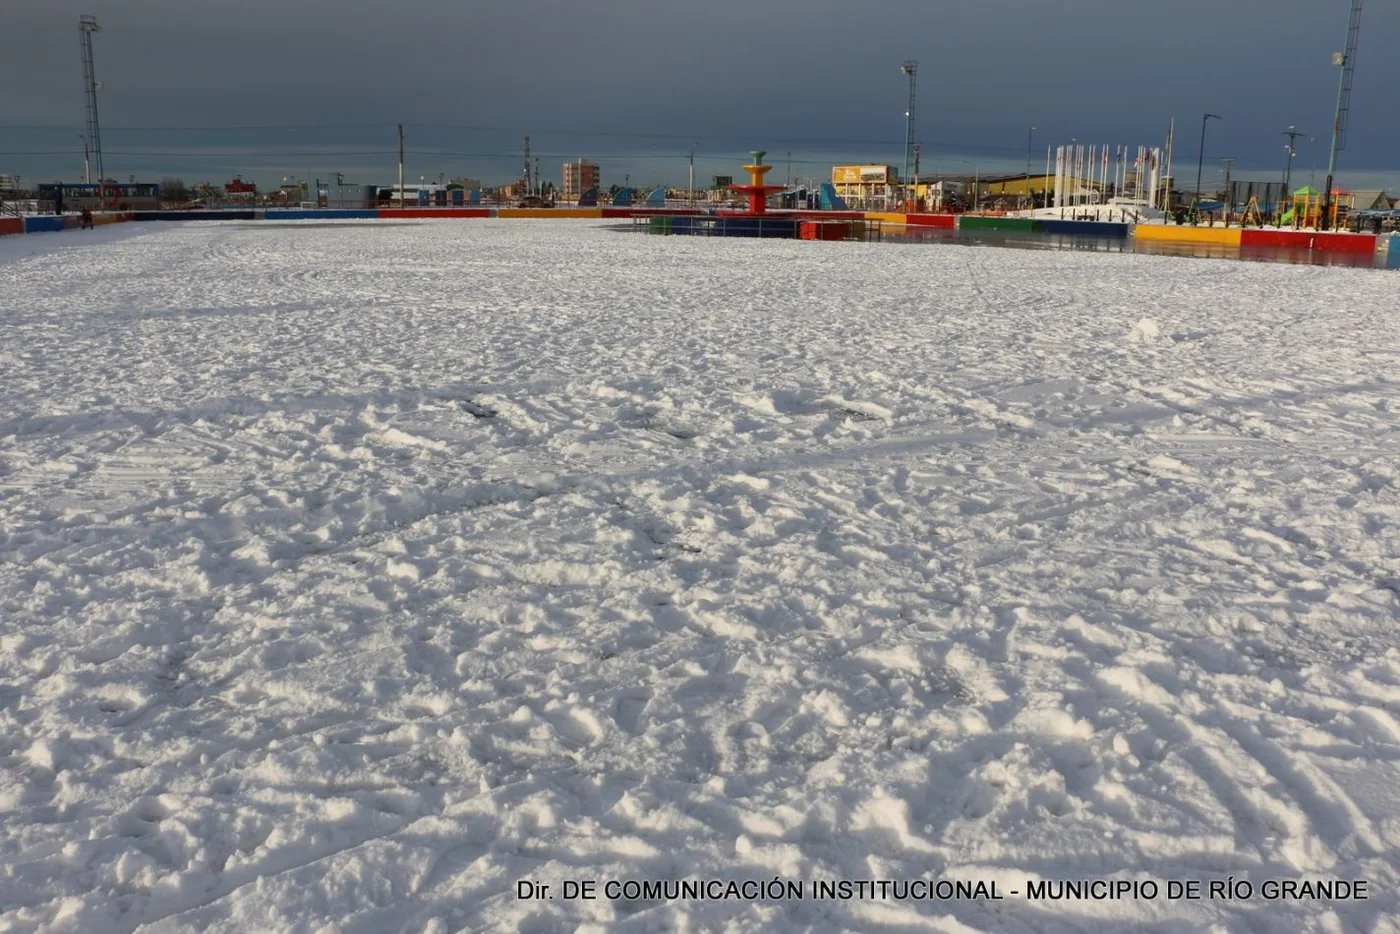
x=757, y=191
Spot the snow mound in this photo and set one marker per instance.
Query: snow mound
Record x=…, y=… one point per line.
x=1144, y=331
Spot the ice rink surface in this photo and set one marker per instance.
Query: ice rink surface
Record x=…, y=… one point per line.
x=352, y=574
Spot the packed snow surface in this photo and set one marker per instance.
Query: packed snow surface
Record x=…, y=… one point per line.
x=351, y=575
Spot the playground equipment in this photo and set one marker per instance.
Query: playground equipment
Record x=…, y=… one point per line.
x=1305, y=209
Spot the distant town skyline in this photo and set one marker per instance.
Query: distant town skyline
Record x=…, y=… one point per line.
x=310, y=89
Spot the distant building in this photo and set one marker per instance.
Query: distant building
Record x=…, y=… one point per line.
x=1023, y=185
x=865, y=186
x=579, y=176
x=239, y=189
x=1370, y=200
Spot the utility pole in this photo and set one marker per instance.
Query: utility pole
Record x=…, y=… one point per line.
x=1030, y=141
x=401, y=192
x=1347, y=61
x=1200, y=162
x=1292, y=134
x=1229, y=198
x=87, y=25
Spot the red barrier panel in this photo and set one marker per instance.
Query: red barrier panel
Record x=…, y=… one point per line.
x=941, y=221
x=402, y=213
x=1310, y=240
x=1345, y=242
x=824, y=230
x=11, y=225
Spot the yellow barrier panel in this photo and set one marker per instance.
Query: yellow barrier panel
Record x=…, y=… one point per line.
x=550, y=212
x=1228, y=236
x=886, y=217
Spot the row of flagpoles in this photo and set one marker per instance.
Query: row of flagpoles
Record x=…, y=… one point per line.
x=1083, y=172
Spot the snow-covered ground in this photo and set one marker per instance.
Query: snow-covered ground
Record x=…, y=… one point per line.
x=352, y=574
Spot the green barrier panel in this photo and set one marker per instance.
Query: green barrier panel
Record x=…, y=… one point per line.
x=661, y=225
x=976, y=222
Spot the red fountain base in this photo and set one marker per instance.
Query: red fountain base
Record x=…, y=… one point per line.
x=758, y=195
x=757, y=191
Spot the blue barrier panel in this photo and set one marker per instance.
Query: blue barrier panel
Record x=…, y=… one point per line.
x=1392, y=254
x=1085, y=228
x=296, y=214
x=192, y=215
x=776, y=227
x=42, y=224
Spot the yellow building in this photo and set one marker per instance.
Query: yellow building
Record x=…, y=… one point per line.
x=1015, y=186
x=865, y=186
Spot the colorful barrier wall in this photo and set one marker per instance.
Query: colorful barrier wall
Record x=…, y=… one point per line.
x=1311, y=240
x=1085, y=228
x=937, y=221
x=297, y=214
x=985, y=222
x=577, y=213
x=192, y=215
x=45, y=224
x=406, y=213
x=651, y=212
x=1228, y=236
x=51, y=223
x=1392, y=255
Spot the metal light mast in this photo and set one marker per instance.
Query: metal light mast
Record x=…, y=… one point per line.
x=529, y=185
x=87, y=25
x=1292, y=134
x=910, y=68
x=1347, y=60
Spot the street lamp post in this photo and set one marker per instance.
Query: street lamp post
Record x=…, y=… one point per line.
x=1292, y=134
x=1200, y=162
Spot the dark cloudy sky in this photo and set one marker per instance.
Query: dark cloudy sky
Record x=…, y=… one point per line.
x=267, y=88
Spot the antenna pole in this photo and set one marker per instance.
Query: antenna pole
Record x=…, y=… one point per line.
x=87, y=25
x=1347, y=60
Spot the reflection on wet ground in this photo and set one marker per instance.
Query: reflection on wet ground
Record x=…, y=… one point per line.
x=1040, y=241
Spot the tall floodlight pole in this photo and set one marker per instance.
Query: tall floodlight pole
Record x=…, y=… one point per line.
x=1200, y=161
x=910, y=68
x=1347, y=61
x=401, y=193
x=87, y=25
x=87, y=164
